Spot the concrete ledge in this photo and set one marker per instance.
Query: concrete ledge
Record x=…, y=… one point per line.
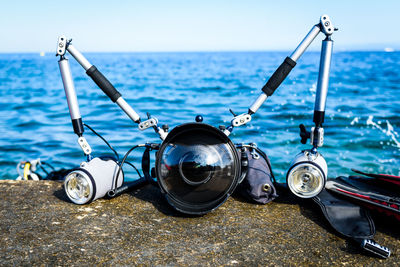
x=38, y=226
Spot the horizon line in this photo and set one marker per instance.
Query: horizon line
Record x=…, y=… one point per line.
x=385, y=49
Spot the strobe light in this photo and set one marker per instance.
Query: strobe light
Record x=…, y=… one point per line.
x=197, y=168
x=92, y=180
x=307, y=174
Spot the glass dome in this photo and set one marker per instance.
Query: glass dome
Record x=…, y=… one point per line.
x=197, y=167
x=305, y=180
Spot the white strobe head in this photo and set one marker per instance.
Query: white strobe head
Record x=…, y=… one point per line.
x=307, y=174
x=92, y=180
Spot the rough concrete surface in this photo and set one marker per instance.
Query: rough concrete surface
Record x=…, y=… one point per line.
x=38, y=226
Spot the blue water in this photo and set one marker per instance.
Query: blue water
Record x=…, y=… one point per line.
x=362, y=121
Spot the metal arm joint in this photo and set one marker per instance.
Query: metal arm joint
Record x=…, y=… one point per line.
x=326, y=25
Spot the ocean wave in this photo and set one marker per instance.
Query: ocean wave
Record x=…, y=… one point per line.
x=175, y=87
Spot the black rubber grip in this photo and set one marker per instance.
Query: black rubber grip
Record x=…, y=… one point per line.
x=78, y=126
x=318, y=117
x=103, y=83
x=279, y=76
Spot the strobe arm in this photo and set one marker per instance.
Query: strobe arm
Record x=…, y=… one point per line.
x=72, y=100
x=317, y=132
x=283, y=71
x=70, y=93
x=105, y=85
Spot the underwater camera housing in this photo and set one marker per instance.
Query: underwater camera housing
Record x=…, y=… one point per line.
x=197, y=168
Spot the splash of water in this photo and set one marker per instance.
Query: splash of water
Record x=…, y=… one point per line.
x=354, y=121
x=387, y=160
x=313, y=88
x=389, y=131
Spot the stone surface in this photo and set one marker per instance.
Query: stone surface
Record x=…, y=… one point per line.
x=39, y=226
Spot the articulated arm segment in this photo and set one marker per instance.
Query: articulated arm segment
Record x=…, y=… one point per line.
x=105, y=85
x=102, y=82
x=283, y=71
x=73, y=106
x=317, y=133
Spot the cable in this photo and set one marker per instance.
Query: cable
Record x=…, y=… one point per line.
x=48, y=164
x=102, y=138
x=123, y=161
x=133, y=166
x=43, y=169
x=116, y=154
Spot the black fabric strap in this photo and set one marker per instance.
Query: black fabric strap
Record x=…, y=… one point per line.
x=345, y=217
x=146, y=166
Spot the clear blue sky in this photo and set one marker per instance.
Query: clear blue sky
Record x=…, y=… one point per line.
x=184, y=25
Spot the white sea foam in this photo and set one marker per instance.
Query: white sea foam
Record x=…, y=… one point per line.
x=313, y=88
x=354, y=121
x=389, y=131
x=386, y=160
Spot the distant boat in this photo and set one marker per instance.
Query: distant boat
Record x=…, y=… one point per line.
x=42, y=54
x=388, y=49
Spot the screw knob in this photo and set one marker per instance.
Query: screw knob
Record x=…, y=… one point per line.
x=304, y=134
x=165, y=127
x=199, y=118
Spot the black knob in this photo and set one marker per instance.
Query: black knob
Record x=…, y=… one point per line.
x=244, y=158
x=199, y=118
x=222, y=127
x=304, y=134
x=153, y=172
x=165, y=127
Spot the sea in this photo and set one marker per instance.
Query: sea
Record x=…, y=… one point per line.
x=362, y=123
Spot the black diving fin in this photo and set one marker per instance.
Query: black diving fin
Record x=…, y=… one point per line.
x=384, y=177
x=367, y=193
x=351, y=221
